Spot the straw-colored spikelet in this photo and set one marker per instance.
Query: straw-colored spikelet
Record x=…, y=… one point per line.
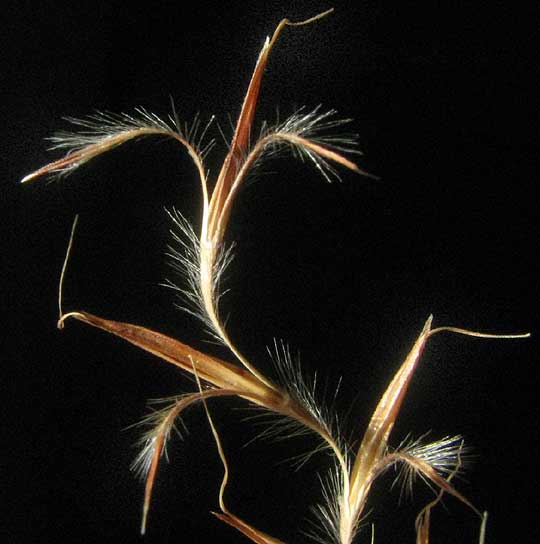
x=201, y=259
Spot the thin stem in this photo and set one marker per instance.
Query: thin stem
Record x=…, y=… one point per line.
x=476, y=334
x=64, y=268
x=219, y=445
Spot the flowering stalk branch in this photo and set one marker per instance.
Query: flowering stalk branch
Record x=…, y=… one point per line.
x=203, y=258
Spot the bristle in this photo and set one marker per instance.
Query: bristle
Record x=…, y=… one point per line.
x=302, y=390
x=313, y=127
x=101, y=125
x=443, y=455
x=101, y=132
x=326, y=526
x=158, y=422
x=184, y=257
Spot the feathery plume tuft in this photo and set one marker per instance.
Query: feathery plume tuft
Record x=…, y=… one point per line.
x=184, y=255
x=103, y=131
x=444, y=456
x=303, y=391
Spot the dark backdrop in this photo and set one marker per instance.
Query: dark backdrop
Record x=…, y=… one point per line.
x=443, y=102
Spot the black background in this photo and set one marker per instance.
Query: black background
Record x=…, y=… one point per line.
x=347, y=273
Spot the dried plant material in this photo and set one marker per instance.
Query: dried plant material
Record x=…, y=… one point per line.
x=423, y=519
x=201, y=260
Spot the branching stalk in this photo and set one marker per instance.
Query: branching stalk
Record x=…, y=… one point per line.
x=202, y=259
